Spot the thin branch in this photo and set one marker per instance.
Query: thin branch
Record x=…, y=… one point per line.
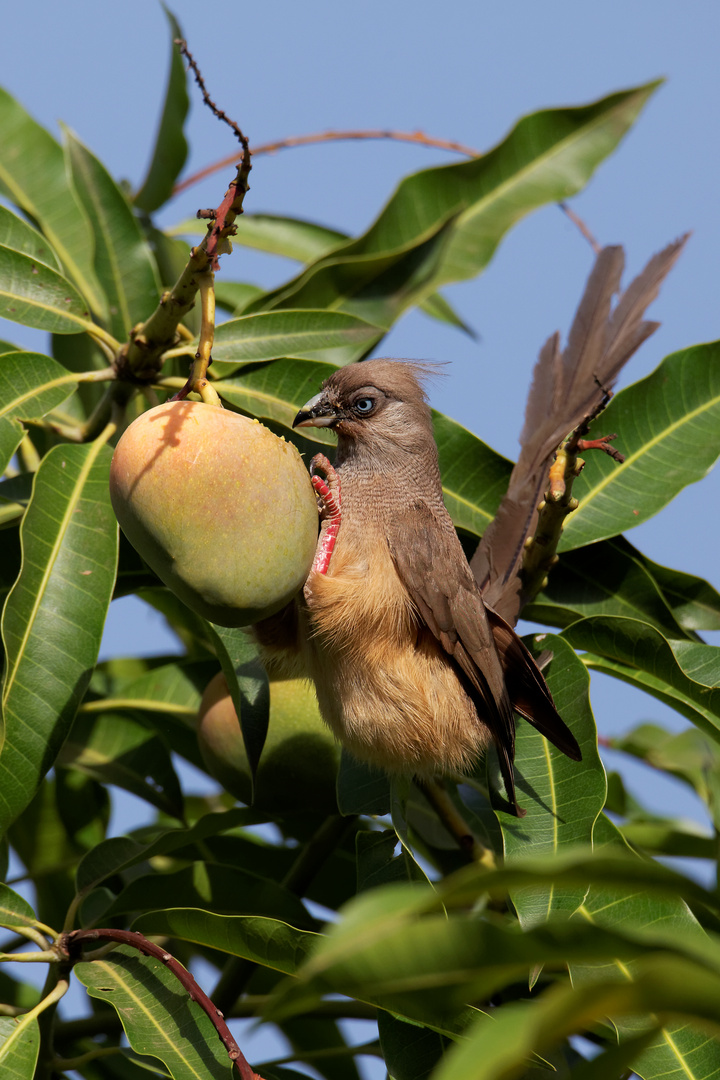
x=71, y=945
x=580, y=224
x=417, y=137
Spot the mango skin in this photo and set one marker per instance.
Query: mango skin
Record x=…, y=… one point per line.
x=218, y=506
x=299, y=762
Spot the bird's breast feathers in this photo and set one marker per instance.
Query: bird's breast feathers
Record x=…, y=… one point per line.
x=385, y=687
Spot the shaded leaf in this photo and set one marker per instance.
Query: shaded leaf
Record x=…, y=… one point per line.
x=54, y=616
x=684, y=674
x=120, y=751
x=410, y=1053
x=268, y=942
x=170, y=150
x=361, y=789
x=223, y=890
x=157, y=1015
x=605, y=578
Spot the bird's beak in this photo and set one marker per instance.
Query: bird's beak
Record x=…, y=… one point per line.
x=317, y=412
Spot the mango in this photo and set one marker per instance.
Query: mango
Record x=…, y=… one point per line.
x=218, y=506
x=299, y=762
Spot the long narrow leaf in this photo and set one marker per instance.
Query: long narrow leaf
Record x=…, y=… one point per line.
x=54, y=615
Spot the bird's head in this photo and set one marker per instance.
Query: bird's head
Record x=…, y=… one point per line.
x=376, y=404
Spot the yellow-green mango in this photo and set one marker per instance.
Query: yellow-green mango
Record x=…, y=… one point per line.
x=299, y=762
x=218, y=506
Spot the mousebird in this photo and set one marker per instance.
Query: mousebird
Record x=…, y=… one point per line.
x=413, y=672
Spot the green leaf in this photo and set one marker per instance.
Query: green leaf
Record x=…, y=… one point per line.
x=118, y=750
x=171, y=148
x=267, y=942
x=16, y=234
x=19, y=1047
x=248, y=686
x=33, y=294
x=292, y=238
x=377, y=863
x=410, y=1052
x=54, y=616
x=694, y=602
x=361, y=789
x=605, y=578
x=14, y=911
x=563, y=798
x=30, y=386
x=276, y=391
x=123, y=261
x=678, y=1049
x=474, y=476
x=223, y=890
x=683, y=674
x=269, y=335
x=33, y=176
x=669, y=430
x=121, y=852
x=158, y=1017
x=437, y=307
x=546, y=158
x=235, y=296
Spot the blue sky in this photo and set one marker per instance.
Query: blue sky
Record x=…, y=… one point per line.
x=464, y=71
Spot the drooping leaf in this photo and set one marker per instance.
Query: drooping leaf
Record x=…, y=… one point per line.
x=694, y=602
x=268, y=942
x=547, y=157
x=605, y=578
x=170, y=150
x=684, y=674
x=30, y=386
x=248, y=686
x=157, y=1015
x=33, y=176
x=668, y=427
x=123, y=261
x=54, y=616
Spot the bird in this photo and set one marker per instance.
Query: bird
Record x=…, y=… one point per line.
x=413, y=672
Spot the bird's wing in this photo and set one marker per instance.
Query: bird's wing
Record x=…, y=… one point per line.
x=497, y=669
x=432, y=566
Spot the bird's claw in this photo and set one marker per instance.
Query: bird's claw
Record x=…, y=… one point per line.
x=327, y=490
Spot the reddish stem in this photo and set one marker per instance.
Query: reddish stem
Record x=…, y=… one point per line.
x=69, y=943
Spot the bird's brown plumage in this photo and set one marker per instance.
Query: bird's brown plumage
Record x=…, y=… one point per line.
x=413, y=673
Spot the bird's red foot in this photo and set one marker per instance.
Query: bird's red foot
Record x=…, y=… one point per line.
x=328, y=494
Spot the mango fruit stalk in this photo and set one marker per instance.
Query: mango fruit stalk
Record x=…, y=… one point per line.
x=218, y=506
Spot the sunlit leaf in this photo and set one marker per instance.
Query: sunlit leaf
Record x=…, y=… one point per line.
x=123, y=262
x=158, y=1016
x=30, y=386
x=170, y=150
x=668, y=427
x=19, y=1047
x=54, y=616
x=33, y=176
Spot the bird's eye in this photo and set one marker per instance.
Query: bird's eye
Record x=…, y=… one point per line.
x=364, y=405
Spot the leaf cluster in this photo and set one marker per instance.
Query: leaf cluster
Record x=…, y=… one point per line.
x=570, y=924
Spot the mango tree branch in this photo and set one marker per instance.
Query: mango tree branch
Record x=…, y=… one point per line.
x=71, y=945
x=141, y=359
